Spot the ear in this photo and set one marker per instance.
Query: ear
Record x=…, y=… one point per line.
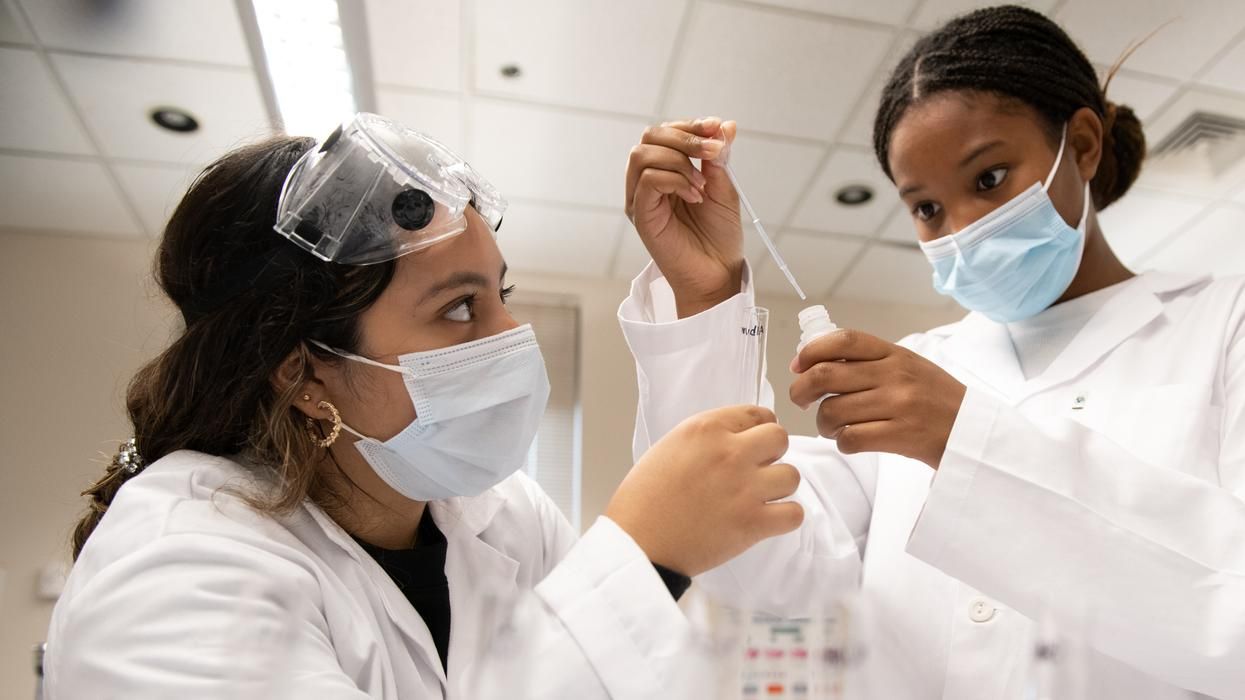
x=1085, y=140
x=297, y=373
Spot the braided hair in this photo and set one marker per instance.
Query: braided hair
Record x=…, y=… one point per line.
x=1016, y=54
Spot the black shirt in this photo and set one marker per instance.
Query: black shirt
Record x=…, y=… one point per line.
x=419, y=572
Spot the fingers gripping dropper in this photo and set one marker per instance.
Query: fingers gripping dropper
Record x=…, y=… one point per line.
x=724, y=162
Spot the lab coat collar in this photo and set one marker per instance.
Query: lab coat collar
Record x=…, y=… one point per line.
x=461, y=520
x=983, y=348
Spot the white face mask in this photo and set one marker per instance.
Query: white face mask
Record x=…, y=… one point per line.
x=477, y=405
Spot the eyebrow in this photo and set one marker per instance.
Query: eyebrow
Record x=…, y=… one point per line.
x=905, y=191
x=462, y=279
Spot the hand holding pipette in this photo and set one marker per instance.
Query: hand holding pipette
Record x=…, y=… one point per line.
x=689, y=217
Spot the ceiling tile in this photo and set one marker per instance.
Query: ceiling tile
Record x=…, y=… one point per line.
x=816, y=261
x=1228, y=71
x=859, y=129
x=821, y=212
x=607, y=55
x=189, y=30
x=1144, y=219
x=1204, y=172
x=885, y=11
x=782, y=74
x=546, y=154
x=84, y=199
x=1215, y=245
x=772, y=172
x=538, y=237
x=891, y=273
x=899, y=227
x=36, y=115
x=115, y=97
x=12, y=28
x=1199, y=29
x=415, y=43
x=1145, y=94
x=155, y=190
x=631, y=256
x=439, y=116
x=933, y=13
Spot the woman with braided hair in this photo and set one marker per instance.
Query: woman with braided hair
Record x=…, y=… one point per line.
x=1071, y=452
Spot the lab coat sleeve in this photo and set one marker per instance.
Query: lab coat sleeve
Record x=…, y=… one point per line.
x=1053, y=517
x=621, y=627
x=685, y=366
x=203, y=616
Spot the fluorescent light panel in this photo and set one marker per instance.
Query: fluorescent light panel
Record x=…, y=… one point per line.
x=306, y=58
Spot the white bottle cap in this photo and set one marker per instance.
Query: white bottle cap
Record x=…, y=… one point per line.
x=814, y=323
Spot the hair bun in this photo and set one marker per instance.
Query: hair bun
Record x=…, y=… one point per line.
x=1124, y=149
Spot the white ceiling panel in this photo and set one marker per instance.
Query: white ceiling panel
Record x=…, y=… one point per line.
x=188, y=30
x=36, y=115
x=782, y=74
x=12, y=28
x=1228, y=71
x=543, y=154
x=771, y=172
x=1215, y=244
x=821, y=212
x=816, y=261
x=539, y=237
x=891, y=273
x=935, y=12
x=885, y=11
x=415, y=43
x=439, y=116
x=631, y=256
x=859, y=129
x=597, y=54
x=61, y=194
x=116, y=97
x=1199, y=29
x=899, y=227
x=1144, y=219
x=155, y=190
x=1145, y=94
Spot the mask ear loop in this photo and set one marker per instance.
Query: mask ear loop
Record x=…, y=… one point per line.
x=366, y=361
x=1063, y=141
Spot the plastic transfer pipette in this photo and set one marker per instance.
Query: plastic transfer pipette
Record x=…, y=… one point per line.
x=756, y=223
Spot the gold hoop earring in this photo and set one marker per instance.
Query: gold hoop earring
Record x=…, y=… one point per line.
x=331, y=438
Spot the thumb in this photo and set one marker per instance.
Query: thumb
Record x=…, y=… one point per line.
x=717, y=184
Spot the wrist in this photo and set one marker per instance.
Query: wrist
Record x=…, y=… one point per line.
x=689, y=302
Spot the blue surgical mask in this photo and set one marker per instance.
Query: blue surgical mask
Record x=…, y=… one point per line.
x=1015, y=261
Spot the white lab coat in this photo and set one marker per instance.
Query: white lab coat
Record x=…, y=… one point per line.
x=185, y=592
x=1122, y=513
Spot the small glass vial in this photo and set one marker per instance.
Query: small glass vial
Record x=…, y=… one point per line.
x=814, y=323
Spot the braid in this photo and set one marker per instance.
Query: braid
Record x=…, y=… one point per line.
x=1018, y=54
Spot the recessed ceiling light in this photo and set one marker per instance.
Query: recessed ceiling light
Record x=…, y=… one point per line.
x=174, y=119
x=511, y=70
x=853, y=195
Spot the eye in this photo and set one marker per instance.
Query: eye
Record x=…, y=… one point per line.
x=463, y=311
x=991, y=178
x=506, y=292
x=926, y=210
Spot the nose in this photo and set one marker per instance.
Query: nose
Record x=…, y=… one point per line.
x=499, y=322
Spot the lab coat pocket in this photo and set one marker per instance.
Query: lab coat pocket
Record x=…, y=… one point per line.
x=1172, y=425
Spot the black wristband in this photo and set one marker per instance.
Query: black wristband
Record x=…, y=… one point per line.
x=675, y=582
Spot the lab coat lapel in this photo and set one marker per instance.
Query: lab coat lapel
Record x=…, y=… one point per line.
x=481, y=578
x=399, y=610
x=1130, y=311
x=982, y=349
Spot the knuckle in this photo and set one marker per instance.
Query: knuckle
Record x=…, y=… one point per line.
x=849, y=337
x=849, y=441
x=650, y=133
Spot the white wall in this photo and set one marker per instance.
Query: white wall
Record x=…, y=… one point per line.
x=81, y=314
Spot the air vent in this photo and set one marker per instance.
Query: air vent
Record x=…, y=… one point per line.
x=1199, y=130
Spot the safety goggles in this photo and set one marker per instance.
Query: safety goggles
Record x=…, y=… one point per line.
x=375, y=190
